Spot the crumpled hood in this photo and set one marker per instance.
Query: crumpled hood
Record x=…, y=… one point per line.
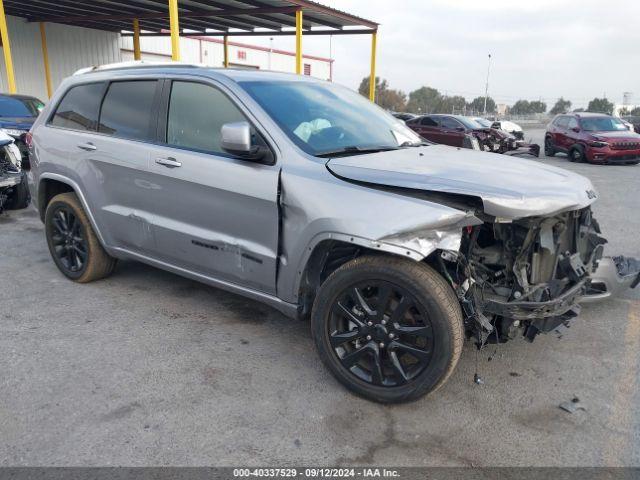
x=509, y=187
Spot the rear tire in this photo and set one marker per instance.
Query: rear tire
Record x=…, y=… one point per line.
x=389, y=329
x=549, y=149
x=20, y=198
x=73, y=244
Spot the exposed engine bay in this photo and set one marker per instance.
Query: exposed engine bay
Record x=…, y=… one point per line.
x=525, y=276
x=499, y=141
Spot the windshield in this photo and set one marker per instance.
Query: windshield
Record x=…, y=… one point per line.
x=470, y=123
x=20, y=107
x=602, y=124
x=324, y=118
x=483, y=122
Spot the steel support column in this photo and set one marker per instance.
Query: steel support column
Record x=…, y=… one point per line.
x=136, y=40
x=45, y=60
x=225, y=44
x=298, y=42
x=372, y=77
x=8, y=61
x=175, y=30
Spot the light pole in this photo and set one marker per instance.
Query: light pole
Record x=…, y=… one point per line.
x=486, y=90
x=270, y=51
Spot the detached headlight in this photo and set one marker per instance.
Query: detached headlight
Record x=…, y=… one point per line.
x=598, y=144
x=14, y=132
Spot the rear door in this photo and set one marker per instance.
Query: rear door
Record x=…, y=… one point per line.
x=560, y=133
x=213, y=213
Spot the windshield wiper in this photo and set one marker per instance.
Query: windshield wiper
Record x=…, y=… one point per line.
x=354, y=150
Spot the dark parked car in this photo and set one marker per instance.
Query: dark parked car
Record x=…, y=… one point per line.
x=455, y=130
x=593, y=138
x=17, y=114
x=404, y=116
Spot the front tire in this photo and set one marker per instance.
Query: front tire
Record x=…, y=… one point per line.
x=73, y=244
x=389, y=329
x=576, y=154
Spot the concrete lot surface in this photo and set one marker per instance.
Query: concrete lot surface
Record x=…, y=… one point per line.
x=148, y=368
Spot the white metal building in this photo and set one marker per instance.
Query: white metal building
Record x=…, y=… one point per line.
x=70, y=48
x=210, y=51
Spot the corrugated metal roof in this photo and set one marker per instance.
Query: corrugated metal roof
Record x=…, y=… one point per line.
x=196, y=15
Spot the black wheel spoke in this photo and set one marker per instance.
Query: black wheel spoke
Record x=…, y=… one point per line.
x=354, y=357
x=338, y=339
x=417, y=353
x=342, y=311
x=377, y=377
x=397, y=366
x=384, y=295
x=421, y=331
x=400, y=309
x=361, y=302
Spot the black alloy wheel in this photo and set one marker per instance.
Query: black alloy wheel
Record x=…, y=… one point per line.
x=68, y=240
x=379, y=333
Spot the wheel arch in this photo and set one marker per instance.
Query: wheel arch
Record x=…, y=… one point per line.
x=52, y=184
x=330, y=252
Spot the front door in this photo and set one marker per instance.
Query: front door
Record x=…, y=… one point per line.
x=213, y=214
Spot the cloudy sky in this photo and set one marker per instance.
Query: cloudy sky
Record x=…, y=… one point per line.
x=544, y=49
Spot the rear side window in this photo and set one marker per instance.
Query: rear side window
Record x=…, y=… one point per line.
x=79, y=108
x=126, y=109
x=429, y=122
x=572, y=123
x=197, y=113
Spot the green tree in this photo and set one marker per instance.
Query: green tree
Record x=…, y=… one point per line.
x=424, y=100
x=578, y=110
x=387, y=98
x=624, y=111
x=635, y=111
x=477, y=105
x=454, y=104
x=561, y=106
x=521, y=107
x=600, y=105
x=537, y=106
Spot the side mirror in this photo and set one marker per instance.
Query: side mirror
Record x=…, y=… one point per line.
x=576, y=129
x=496, y=125
x=460, y=129
x=236, y=140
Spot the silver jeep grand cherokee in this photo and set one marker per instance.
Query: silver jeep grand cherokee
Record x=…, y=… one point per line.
x=306, y=196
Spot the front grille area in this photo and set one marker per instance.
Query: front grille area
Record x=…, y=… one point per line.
x=625, y=158
x=625, y=146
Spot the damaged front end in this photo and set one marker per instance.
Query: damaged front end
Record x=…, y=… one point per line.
x=10, y=171
x=498, y=141
x=528, y=275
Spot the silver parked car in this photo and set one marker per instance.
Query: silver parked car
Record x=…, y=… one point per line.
x=304, y=195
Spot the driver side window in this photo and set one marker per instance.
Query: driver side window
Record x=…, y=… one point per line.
x=196, y=115
x=451, y=123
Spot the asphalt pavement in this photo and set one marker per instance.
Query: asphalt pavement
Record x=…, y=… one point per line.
x=148, y=368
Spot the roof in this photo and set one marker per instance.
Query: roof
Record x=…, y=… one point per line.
x=232, y=17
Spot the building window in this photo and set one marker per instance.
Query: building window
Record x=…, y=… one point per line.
x=307, y=69
x=242, y=55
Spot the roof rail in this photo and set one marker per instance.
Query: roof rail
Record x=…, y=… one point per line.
x=135, y=64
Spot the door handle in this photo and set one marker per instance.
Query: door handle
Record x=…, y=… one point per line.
x=168, y=162
x=89, y=147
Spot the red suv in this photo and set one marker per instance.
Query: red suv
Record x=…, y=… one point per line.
x=592, y=137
